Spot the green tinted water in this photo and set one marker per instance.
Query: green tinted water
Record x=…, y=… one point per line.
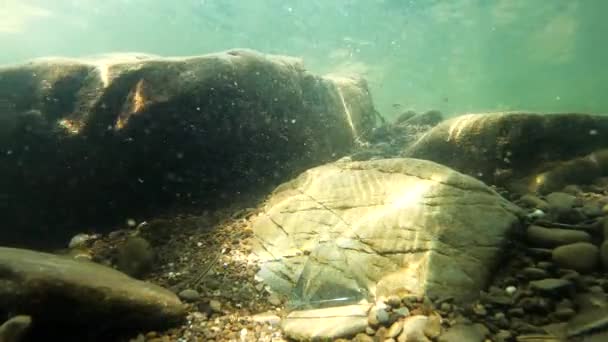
x=455, y=56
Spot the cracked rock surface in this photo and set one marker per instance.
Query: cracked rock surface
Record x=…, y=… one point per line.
x=349, y=231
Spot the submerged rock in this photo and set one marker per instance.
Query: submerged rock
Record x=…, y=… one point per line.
x=502, y=147
x=553, y=237
x=62, y=293
x=588, y=322
x=560, y=202
x=15, y=328
x=325, y=324
x=582, y=257
x=142, y=133
x=550, y=285
x=348, y=231
x=413, y=329
x=189, y=295
x=135, y=256
x=462, y=332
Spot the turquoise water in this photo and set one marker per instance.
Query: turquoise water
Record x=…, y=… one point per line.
x=456, y=56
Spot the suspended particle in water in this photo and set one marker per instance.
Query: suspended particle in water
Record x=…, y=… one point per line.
x=131, y=222
x=593, y=132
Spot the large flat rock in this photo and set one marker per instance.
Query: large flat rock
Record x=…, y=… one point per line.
x=120, y=135
x=348, y=231
x=57, y=291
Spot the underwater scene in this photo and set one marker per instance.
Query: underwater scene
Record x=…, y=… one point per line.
x=320, y=170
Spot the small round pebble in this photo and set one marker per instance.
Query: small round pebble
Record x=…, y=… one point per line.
x=479, y=310
x=393, y=301
x=382, y=316
x=189, y=295
x=215, y=305
x=274, y=299
x=511, y=289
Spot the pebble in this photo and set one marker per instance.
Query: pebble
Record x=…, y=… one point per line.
x=564, y=313
x=189, y=295
x=560, y=202
x=215, y=305
x=534, y=273
x=501, y=320
x=550, y=285
x=462, y=332
x=537, y=338
x=587, y=300
x=534, y=304
x=393, y=301
x=570, y=275
x=80, y=240
x=479, y=310
x=582, y=257
x=404, y=311
x=510, y=289
x=413, y=329
x=539, y=253
x=361, y=337
x=383, y=316
x=531, y=201
x=274, y=299
x=395, y=329
x=482, y=329
x=536, y=214
x=267, y=318
x=516, y=312
x=572, y=189
x=553, y=237
x=432, y=329
x=545, y=265
x=445, y=307
x=565, y=303
x=503, y=336
x=498, y=297
x=14, y=329
x=592, y=210
x=595, y=289
x=377, y=316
